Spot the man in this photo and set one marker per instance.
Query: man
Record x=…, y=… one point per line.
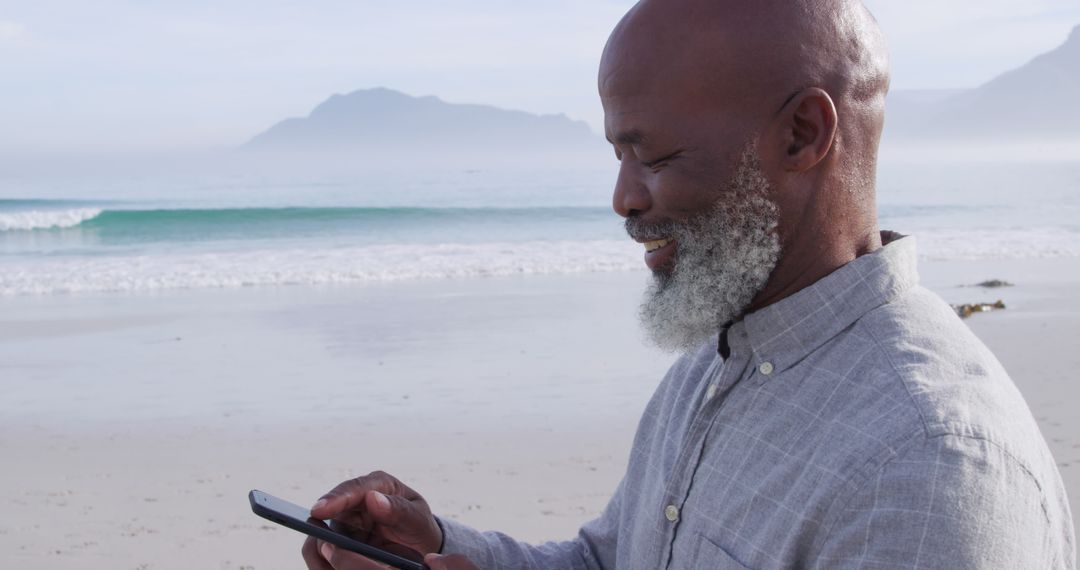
x=829, y=412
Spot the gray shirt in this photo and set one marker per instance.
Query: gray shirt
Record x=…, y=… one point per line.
x=855, y=424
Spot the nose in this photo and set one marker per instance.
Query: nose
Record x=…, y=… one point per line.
x=631, y=197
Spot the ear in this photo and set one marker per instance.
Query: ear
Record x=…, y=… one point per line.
x=805, y=129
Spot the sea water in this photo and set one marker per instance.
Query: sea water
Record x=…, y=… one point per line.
x=145, y=233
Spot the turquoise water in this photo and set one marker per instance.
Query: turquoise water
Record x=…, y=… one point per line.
x=148, y=233
x=78, y=225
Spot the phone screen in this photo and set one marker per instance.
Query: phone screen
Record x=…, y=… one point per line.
x=298, y=518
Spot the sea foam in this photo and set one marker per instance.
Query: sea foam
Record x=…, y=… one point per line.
x=979, y=244
x=46, y=219
x=302, y=266
x=328, y=264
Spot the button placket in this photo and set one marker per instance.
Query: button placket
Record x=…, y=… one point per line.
x=723, y=379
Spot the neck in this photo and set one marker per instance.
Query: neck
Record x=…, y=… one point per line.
x=806, y=261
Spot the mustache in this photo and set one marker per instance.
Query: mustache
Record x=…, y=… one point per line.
x=640, y=230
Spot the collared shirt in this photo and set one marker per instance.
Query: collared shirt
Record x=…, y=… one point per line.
x=855, y=424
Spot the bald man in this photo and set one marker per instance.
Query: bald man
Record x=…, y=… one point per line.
x=828, y=411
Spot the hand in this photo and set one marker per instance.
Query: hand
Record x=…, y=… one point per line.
x=377, y=509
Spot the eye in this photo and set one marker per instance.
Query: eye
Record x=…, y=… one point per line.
x=662, y=161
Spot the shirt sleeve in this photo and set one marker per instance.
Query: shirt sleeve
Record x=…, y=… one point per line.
x=592, y=549
x=945, y=502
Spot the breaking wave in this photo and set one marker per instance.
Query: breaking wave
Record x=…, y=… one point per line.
x=46, y=219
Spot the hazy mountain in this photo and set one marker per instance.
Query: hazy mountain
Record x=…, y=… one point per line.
x=384, y=121
x=1036, y=101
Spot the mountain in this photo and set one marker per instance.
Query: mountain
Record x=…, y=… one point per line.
x=1035, y=101
x=384, y=121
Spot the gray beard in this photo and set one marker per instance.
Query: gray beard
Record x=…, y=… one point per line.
x=724, y=259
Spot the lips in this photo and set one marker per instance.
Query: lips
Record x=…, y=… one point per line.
x=660, y=254
x=658, y=238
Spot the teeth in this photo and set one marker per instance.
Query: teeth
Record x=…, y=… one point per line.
x=655, y=245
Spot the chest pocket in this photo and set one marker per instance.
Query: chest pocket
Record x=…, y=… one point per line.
x=708, y=556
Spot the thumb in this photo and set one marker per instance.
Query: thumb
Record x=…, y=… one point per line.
x=452, y=562
x=435, y=562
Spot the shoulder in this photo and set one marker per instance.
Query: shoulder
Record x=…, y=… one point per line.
x=958, y=461
x=948, y=500
x=947, y=378
x=910, y=370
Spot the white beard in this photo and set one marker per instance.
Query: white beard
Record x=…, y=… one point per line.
x=724, y=259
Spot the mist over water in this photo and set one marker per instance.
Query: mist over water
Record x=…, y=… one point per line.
x=984, y=209
x=146, y=232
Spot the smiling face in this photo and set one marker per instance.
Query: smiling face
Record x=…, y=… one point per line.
x=671, y=170
x=747, y=135
x=691, y=187
x=678, y=114
x=720, y=260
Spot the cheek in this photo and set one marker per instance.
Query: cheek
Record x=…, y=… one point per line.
x=685, y=194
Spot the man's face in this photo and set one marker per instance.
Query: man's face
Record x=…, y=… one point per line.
x=723, y=257
x=698, y=201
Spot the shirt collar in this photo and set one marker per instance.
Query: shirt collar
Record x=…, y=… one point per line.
x=785, y=332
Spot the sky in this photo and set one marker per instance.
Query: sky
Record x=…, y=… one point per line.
x=137, y=76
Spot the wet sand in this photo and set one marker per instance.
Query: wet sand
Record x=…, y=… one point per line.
x=132, y=426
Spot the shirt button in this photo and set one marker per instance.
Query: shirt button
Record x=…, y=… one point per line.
x=671, y=513
x=766, y=368
x=710, y=393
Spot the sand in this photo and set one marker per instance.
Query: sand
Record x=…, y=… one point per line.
x=132, y=426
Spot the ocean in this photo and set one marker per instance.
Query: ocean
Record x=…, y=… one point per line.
x=147, y=233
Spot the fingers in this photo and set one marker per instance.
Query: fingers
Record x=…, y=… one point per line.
x=351, y=493
x=451, y=562
x=312, y=557
x=380, y=509
x=377, y=510
x=387, y=510
x=403, y=520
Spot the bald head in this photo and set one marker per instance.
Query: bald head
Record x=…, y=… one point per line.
x=749, y=56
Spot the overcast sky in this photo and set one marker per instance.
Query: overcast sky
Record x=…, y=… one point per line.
x=114, y=75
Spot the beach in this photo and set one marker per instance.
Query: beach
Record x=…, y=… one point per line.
x=133, y=424
x=281, y=248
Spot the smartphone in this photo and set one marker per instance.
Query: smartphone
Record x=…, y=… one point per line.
x=298, y=518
